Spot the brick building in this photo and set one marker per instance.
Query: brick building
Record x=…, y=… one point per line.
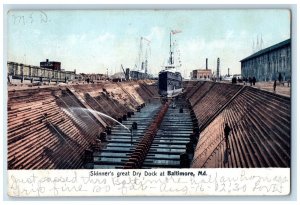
x=202, y=74
x=54, y=65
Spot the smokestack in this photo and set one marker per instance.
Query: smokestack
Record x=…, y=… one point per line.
x=47, y=60
x=218, y=68
x=206, y=63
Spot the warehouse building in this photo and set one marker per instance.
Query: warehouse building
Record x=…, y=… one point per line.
x=54, y=65
x=270, y=63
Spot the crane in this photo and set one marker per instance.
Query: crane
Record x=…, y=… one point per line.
x=143, y=58
x=145, y=39
x=126, y=73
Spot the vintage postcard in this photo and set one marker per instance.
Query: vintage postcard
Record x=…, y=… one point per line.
x=149, y=102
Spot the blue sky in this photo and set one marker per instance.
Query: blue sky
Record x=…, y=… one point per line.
x=93, y=41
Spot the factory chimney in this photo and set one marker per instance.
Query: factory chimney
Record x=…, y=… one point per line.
x=206, y=63
x=218, y=68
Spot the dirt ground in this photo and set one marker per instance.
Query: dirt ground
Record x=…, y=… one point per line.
x=281, y=89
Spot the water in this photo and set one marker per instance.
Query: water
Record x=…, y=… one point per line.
x=102, y=114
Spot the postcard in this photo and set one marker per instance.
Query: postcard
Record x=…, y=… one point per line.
x=149, y=102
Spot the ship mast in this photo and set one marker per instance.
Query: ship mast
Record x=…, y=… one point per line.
x=171, y=58
x=171, y=53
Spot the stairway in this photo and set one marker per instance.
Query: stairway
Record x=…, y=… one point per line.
x=116, y=151
x=171, y=139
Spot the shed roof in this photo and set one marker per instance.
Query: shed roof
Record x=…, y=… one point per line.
x=271, y=48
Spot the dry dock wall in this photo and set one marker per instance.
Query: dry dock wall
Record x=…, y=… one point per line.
x=51, y=127
x=259, y=120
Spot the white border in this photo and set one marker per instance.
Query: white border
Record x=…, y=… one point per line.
x=295, y=85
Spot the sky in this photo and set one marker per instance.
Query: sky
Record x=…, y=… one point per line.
x=101, y=40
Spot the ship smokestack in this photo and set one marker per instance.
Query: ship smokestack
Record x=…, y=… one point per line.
x=206, y=63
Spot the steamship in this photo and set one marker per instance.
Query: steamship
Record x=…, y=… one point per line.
x=169, y=80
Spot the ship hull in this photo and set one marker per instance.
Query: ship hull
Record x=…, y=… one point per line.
x=169, y=83
x=136, y=75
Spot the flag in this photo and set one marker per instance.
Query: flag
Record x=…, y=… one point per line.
x=175, y=31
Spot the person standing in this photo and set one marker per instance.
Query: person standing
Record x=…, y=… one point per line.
x=280, y=78
x=274, y=86
x=254, y=80
x=227, y=130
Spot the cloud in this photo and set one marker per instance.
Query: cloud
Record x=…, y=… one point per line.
x=107, y=42
x=229, y=34
x=104, y=37
x=156, y=33
x=229, y=49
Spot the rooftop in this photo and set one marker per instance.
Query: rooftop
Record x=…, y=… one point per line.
x=204, y=69
x=269, y=49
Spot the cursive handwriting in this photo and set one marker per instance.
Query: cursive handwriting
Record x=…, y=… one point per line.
x=82, y=183
x=30, y=18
